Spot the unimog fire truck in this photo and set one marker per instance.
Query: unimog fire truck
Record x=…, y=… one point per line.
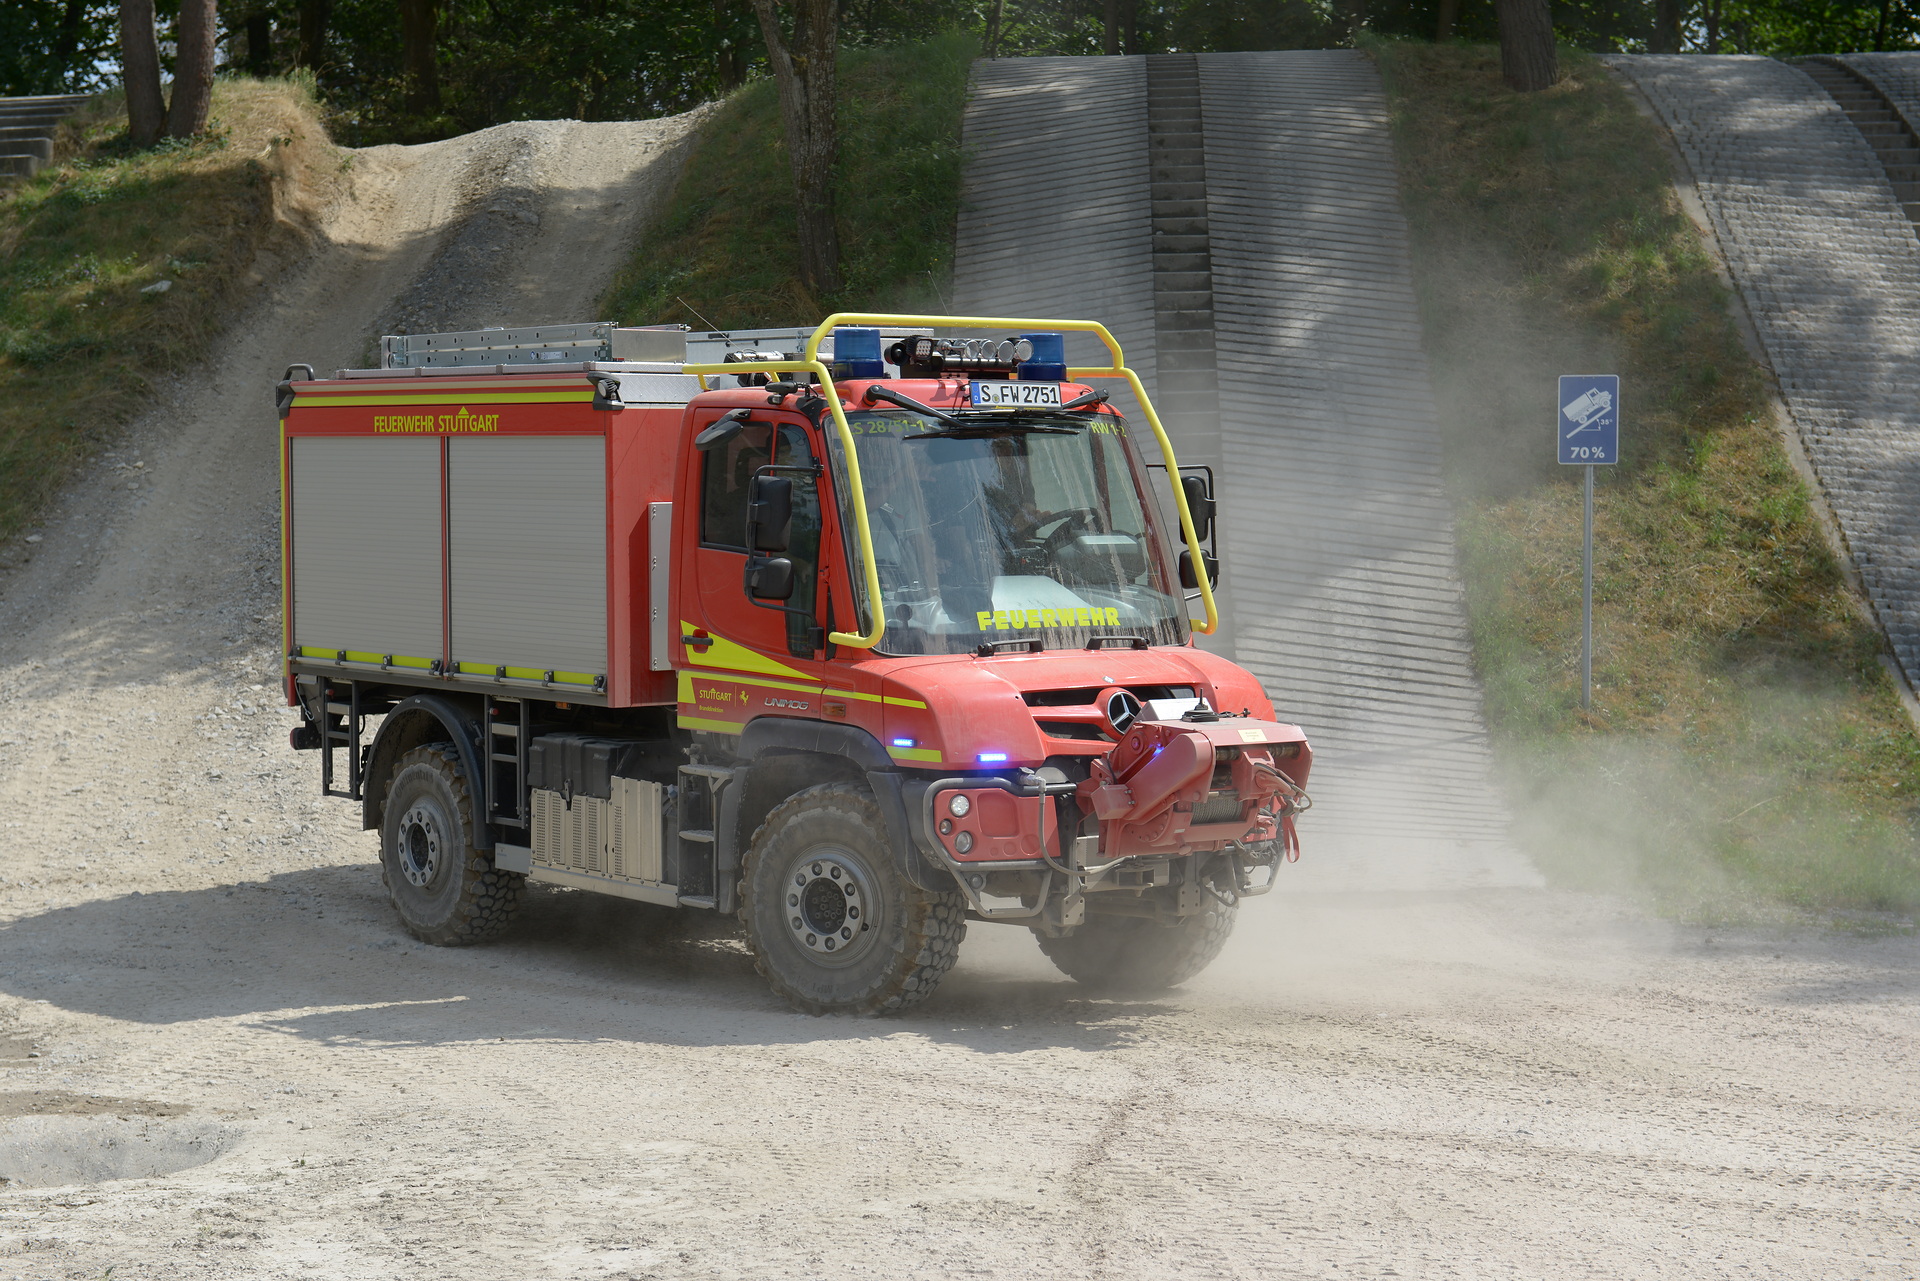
x=861, y=633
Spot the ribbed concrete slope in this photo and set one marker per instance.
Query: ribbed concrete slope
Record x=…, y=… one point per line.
x=1337, y=539
x=1057, y=199
x=1830, y=270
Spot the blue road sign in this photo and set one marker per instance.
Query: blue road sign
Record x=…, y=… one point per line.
x=1589, y=419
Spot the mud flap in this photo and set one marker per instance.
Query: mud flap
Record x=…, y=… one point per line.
x=900, y=798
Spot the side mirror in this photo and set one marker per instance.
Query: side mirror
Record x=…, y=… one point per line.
x=1191, y=580
x=769, y=513
x=1199, y=504
x=770, y=579
x=721, y=430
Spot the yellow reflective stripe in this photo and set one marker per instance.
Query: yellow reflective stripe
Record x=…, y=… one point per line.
x=448, y=398
x=756, y=680
x=718, y=727
x=523, y=673
x=687, y=678
x=889, y=699
x=420, y=387
x=725, y=653
x=912, y=753
x=359, y=656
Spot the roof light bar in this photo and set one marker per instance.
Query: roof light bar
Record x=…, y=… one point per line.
x=925, y=357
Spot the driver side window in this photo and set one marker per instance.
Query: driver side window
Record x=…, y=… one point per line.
x=727, y=478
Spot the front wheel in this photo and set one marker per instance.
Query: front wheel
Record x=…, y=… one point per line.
x=1133, y=954
x=447, y=892
x=834, y=927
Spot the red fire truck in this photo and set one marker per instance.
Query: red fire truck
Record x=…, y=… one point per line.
x=861, y=632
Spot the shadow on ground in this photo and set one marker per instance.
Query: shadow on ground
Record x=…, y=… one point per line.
x=317, y=954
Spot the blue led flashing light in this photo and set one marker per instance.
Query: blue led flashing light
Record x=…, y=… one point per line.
x=992, y=758
x=857, y=347
x=1048, y=364
x=903, y=742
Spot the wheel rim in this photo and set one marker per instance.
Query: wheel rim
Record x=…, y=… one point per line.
x=420, y=846
x=828, y=905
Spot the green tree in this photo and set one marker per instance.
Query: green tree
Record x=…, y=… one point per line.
x=57, y=46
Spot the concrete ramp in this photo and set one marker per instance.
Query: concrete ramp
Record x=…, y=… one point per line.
x=1274, y=323
x=1826, y=259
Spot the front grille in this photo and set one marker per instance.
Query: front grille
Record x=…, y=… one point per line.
x=1072, y=729
x=1219, y=807
x=1087, y=694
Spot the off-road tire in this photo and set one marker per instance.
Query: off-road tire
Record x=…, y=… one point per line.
x=891, y=942
x=446, y=892
x=1133, y=954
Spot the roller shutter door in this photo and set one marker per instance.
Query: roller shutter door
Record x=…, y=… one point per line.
x=528, y=518
x=366, y=546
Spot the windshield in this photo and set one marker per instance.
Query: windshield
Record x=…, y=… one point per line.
x=1010, y=529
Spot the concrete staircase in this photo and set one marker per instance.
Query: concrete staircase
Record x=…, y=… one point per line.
x=1183, y=322
x=27, y=126
x=1235, y=219
x=1883, y=127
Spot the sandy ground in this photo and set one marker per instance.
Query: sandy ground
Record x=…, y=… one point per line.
x=201, y=985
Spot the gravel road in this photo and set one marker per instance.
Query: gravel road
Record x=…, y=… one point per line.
x=202, y=988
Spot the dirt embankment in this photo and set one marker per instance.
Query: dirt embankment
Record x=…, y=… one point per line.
x=219, y=1058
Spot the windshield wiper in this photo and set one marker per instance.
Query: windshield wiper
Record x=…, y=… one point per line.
x=876, y=392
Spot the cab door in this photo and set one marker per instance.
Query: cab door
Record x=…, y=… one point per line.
x=745, y=657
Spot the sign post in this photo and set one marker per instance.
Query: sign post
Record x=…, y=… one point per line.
x=1588, y=429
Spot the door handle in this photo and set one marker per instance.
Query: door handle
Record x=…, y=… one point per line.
x=697, y=642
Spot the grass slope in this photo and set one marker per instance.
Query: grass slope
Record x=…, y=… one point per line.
x=1745, y=749
x=724, y=252
x=82, y=241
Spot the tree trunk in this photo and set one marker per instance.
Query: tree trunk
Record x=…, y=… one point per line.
x=68, y=42
x=192, y=69
x=314, y=15
x=1528, y=60
x=1666, y=26
x=1110, y=35
x=419, y=20
x=259, y=27
x=1130, y=25
x=140, y=58
x=1880, y=28
x=990, y=46
x=807, y=102
x=1449, y=18
x=1711, y=18
x=731, y=65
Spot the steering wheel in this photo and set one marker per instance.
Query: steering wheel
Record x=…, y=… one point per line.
x=1061, y=526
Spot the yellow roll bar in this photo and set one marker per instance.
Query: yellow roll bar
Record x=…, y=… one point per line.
x=857, y=491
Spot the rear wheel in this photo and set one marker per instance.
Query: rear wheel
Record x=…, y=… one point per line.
x=834, y=927
x=446, y=891
x=1133, y=954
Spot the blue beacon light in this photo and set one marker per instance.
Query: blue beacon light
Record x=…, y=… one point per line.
x=992, y=758
x=903, y=742
x=1048, y=364
x=857, y=348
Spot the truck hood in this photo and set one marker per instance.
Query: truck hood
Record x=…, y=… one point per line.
x=988, y=713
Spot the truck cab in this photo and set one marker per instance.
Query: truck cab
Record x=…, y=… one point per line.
x=861, y=633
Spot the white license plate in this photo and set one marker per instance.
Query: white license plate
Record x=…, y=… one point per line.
x=1024, y=395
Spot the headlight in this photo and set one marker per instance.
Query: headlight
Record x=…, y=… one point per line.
x=963, y=842
x=959, y=806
